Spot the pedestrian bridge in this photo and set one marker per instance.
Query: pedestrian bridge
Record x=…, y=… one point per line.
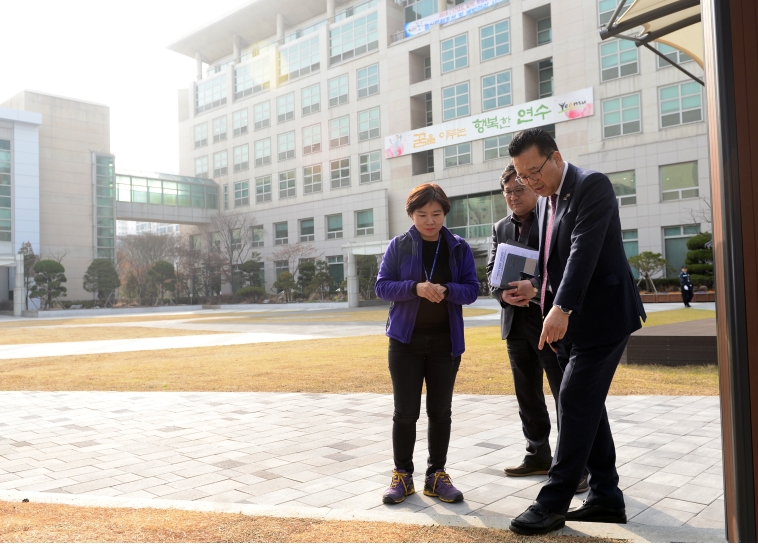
x=165, y=198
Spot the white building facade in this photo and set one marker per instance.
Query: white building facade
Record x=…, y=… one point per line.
x=293, y=102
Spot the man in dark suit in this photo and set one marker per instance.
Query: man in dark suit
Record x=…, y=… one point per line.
x=521, y=325
x=686, y=284
x=591, y=306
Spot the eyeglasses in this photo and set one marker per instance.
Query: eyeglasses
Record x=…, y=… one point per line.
x=518, y=191
x=534, y=176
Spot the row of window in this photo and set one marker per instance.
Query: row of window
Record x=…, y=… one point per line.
x=370, y=167
x=674, y=244
x=677, y=182
x=253, y=75
x=5, y=191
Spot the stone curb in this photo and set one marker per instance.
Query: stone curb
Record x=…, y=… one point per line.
x=631, y=532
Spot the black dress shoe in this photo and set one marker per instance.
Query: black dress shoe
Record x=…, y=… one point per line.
x=537, y=520
x=583, y=485
x=597, y=513
x=525, y=469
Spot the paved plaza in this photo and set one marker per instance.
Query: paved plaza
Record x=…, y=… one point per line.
x=330, y=456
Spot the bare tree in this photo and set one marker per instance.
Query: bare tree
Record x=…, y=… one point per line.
x=231, y=235
x=703, y=214
x=293, y=254
x=57, y=254
x=138, y=253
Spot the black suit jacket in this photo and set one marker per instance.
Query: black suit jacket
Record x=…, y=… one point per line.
x=501, y=231
x=587, y=267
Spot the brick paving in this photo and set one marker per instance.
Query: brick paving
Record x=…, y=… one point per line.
x=305, y=451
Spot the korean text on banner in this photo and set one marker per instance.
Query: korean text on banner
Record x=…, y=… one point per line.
x=452, y=14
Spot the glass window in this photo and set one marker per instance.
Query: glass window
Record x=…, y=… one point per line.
x=219, y=129
x=496, y=91
x=679, y=181
x=5, y=193
x=334, y=226
x=263, y=152
x=281, y=234
x=631, y=246
x=625, y=187
x=618, y=59
x=339, y=131
x=226, y=197
x=607, y=7
x=354, y=38
x=285, y=107
x=675, y=246
x=220, y=166
x=285, y=146
x=241, y=194
x=312, y=179
x=299, y=59
x=201, y=135
x=310, y=98
x=495, y=40
x=371, y=167
x=428, y=105
x=497, y=147
x=472, y=216
x=263, y=189
x=201, y=167
x=311, y=139
x=418, y=9
x=307, y=230
x=287, y=185
x=239, y=122
x=368, y=81
x=545, y=71
x=622, y=116
x=368, y=124
x=457, y=155
x=454, y=53
x=210, y=94
x=340, y=173
x=257, y=236
x=455, y=101
x=544, y=31
x=253, y=77
x=427, y=67
x=241, y=157
x=674, y=55
x=281, y=266
x=338, y=89
x=336, y=269
x=681, y=104
x=262, y=114
x=364, y=221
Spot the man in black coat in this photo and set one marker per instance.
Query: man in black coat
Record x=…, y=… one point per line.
x=686, y=284
x=521, y=325
x=591, y=306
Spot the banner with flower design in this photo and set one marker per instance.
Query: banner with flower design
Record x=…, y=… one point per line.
x=546, y=111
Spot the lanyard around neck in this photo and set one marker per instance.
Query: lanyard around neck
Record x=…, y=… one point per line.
x=434, y=263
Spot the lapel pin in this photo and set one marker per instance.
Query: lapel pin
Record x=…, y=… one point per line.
x=567, y=196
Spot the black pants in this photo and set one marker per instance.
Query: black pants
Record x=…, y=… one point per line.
x=527, y=365
x=687, y=295
x=585, y=435
x=428, y=357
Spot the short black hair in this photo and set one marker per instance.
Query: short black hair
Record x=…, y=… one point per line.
x=505, y=177
x=424, y=194
x=532, y=137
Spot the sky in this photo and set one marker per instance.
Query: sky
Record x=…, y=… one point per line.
x=112, y=52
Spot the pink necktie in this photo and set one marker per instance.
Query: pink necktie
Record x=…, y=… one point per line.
x=548, y=235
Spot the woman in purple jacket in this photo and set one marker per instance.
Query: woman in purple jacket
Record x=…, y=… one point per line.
x=428, y=273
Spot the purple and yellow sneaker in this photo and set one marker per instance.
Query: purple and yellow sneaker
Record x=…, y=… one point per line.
x=401, y=487
x=440, y=485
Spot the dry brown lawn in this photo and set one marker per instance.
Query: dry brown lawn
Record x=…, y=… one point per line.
x=341, y=365
x=35, y=335
x=343, y=316
x=33, y=522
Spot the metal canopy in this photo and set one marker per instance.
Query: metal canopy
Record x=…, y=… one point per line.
x=675, y=23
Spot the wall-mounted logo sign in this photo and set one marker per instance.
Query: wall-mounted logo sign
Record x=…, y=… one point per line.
x=452, y=14
x=546, y=111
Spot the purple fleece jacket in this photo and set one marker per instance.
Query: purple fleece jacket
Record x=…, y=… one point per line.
x=402, y=267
